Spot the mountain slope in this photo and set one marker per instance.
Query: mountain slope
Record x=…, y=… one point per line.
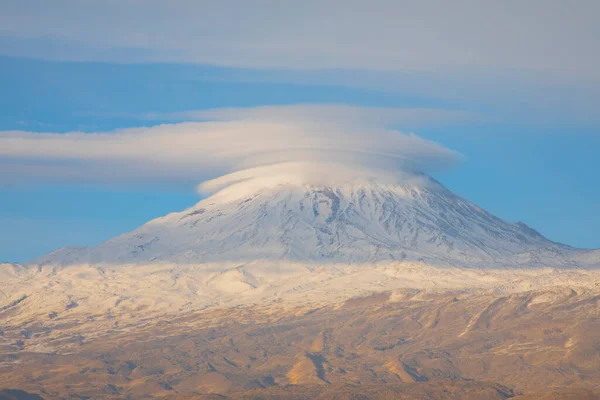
x=361, y=221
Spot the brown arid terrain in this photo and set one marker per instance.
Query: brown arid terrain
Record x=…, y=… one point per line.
x=409, y=344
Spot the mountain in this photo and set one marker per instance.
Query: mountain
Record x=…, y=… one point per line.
x=299, y=241
x=357, y=222
x=300, y=289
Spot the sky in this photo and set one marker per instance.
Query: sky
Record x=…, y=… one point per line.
x=112, y=113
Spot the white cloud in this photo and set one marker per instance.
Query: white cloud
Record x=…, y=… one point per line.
x=341, y=114
x=550, y=36
x=293, y=139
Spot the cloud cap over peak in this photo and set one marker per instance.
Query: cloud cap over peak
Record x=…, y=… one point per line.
x=228, y=141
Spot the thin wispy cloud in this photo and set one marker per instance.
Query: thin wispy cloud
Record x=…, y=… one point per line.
x=341, y=114
x=287, y=138
x=549, y=36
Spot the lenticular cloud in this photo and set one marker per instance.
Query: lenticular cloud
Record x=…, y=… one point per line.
x=229, y=149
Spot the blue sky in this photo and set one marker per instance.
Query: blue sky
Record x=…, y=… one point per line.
x=528, y=136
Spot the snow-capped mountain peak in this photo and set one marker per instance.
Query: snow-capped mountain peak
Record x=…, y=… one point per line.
x=362, y=220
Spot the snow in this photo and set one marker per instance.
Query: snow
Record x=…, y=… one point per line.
x=359, y=221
